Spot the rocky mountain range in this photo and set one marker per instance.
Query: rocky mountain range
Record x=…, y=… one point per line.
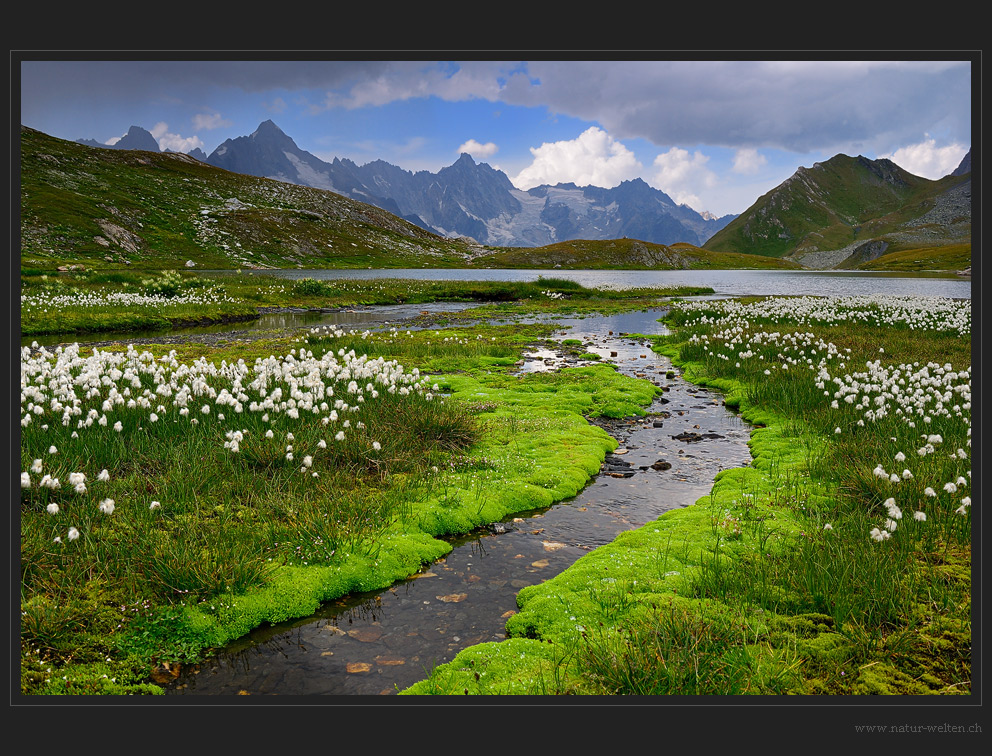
x=466, y=199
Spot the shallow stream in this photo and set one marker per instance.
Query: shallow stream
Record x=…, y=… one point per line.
x=382, y=642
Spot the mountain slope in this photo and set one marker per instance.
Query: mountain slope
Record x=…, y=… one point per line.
x=850, y=208
x=159, y=209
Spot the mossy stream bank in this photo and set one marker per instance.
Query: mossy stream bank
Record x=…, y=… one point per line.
x=376, y=642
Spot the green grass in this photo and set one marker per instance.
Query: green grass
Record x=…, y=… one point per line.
x=953, y=257
x=628, y=254
x=248, y=536
x=776, y=583
x=746, y=592
x=92, y=301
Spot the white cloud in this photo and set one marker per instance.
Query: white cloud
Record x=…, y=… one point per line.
x=683, y=176
x=928, y=160
x=748, y=161
x=593, y=158
x=174, y=142
x=477, y=150
x=210, y=121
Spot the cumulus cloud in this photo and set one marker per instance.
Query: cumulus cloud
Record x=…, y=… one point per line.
x=593, y=158
x=683, y=176
x=169, y=141
x=748, y=160
x=210, y=121
x=928, y=160
x=477, y=150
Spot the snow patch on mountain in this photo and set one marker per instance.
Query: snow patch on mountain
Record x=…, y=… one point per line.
x=307, y=175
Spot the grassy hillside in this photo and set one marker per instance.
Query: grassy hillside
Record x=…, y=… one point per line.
x=112, y=208
x=949, y=257
x=834, y=204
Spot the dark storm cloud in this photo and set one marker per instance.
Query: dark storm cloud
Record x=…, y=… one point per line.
x=799, y=106
x=830, y=106
x=48, y=81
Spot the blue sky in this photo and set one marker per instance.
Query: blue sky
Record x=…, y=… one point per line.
x=712, y=134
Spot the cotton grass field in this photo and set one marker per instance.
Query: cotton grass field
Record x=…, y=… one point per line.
x=838, y=563
x=171, y=502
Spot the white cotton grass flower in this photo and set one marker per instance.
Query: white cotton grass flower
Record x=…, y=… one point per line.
x=928, y=491
x=950, y=488
x=107, y=506
x=52, y=508
x=879, y=535
x=907, y=475
x=322, y=444
x=920, y=516
x=73, y=534
x=376, y=445
x=339, y=436
x=25, y=480
x=104, y=476
x=36, y=467
x=52, y=450
x=155, y=505
x=892, y=509
x=900, y=457
x=828, y=526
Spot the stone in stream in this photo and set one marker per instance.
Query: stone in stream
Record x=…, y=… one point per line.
x=690, y=437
